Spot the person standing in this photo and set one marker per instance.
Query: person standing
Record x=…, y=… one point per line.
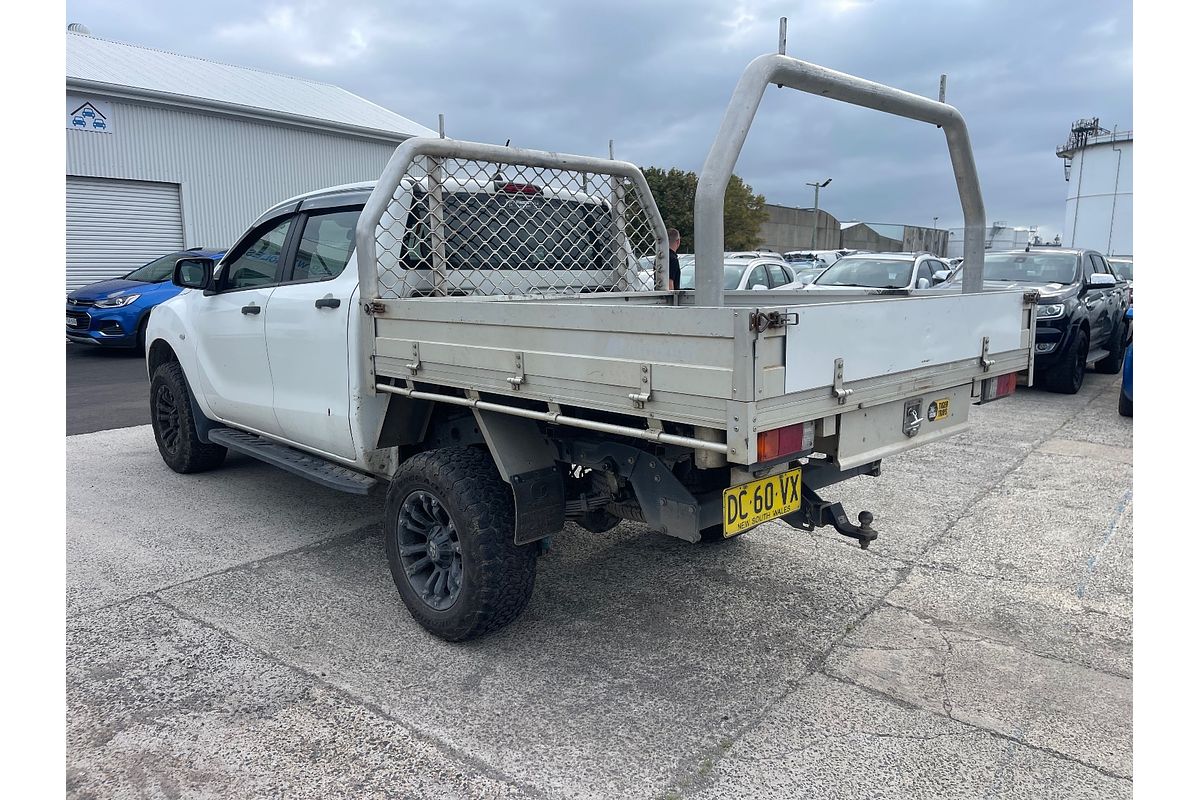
x=673, y=262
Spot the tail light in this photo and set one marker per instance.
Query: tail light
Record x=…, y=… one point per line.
x=1000, y=386
x=518, y=188
x=787, y=441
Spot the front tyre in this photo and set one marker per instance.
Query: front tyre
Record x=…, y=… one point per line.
x=1066, y=377
x=175, y=426
x=448, y=530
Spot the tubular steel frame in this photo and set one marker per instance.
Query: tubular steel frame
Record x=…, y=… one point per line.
x=793, y=73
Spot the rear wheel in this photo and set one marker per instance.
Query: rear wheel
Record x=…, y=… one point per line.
x=175, y=426
x=448, y=530
x=1066, y=377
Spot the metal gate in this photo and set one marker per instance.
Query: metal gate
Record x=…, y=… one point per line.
x=115, y=226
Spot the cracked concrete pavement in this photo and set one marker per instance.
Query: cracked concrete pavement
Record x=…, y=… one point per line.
x=237, y=634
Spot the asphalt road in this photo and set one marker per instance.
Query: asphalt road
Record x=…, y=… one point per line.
x=237, y=634
x=105, y=389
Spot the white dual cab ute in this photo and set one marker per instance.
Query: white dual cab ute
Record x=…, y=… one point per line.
x=470, y=333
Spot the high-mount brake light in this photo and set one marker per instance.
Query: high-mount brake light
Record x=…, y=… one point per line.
x=791, y=440
x=1000, y=386
x=518, y=188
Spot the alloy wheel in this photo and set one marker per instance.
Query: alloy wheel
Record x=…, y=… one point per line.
x=430, y=551
x=166, y=414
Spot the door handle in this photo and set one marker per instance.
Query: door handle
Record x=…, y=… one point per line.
x=251, y=309
x=327, y=302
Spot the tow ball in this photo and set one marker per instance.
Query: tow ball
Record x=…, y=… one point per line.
x=815, y=513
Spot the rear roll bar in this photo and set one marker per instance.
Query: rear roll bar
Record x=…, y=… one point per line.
x=793, y=73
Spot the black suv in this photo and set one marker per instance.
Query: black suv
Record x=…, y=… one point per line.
x=1080, y=311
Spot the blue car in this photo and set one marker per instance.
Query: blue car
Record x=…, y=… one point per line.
x=113, y=313
x=1125, y=404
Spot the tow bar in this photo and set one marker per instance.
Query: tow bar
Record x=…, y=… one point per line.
x=815, y=513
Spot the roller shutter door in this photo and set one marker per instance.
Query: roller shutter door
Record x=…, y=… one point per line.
x=115, y=226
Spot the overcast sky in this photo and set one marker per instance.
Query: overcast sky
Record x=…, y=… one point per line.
x=655, y=76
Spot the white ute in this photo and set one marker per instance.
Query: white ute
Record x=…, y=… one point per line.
x=470, y=334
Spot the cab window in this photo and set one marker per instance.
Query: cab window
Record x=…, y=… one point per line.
x=259, y=262
x=325, y=246
x=778, y=275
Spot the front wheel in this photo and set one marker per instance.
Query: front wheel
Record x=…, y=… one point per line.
x=175, y=426
x=1066, y=377
x=448, y=531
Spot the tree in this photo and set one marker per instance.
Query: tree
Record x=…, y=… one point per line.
x=675, y=193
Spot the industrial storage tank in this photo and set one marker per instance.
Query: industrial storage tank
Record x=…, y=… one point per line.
x=1098, y=164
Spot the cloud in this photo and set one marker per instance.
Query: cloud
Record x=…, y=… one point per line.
x=656, y=77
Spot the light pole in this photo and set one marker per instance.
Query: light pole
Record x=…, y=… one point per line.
x=817, y=187
x=935, y=219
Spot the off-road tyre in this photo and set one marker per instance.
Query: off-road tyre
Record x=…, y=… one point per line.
x=174, y=424
x=495, y=576
x=1066, y=377
x=1111, y=364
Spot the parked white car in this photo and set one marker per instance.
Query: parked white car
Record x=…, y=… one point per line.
x=747, y=273
x=907, y=271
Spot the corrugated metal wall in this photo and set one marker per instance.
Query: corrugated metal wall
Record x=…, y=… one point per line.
x=229, y=169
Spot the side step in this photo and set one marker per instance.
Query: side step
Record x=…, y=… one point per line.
x=1095, y=355
x=315, y=468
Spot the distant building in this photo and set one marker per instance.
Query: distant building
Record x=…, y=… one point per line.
x=167, y=151
x=861, y=236
x=792, y=229
x=1098, y=166
x=997, y=236
x=789, y=228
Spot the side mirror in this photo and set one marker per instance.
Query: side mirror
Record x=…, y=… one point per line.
x=193, y=273
x=940, y=276
x=1101, y=280
x=758, y=287
x=923, y=283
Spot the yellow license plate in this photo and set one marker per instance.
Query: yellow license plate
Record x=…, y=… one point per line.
x=756, y=502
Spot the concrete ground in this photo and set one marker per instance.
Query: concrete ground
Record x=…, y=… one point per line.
x=237, y=634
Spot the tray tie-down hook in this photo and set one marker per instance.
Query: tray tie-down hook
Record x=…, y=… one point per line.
x=815, y=513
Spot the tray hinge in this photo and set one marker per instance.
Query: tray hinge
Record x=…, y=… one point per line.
x=647, y=389
x=984, y=361
x=415, y=365
x=519, y=365
x=374, y=307
x=838, y=392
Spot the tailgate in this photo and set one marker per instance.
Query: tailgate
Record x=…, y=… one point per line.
x=863, y=369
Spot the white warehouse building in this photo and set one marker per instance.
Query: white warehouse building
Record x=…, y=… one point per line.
x=1099, y=170
x=167, y=152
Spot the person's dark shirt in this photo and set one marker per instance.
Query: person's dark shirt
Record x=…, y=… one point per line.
x=673, y=269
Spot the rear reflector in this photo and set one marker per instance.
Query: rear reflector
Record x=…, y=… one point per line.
x=786, y=441
x=1000, y=386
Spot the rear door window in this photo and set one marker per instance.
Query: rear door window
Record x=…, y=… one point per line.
x=325, y=245
x=778, y=275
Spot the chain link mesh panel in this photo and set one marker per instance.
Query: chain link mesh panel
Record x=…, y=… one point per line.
x=461, y=226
